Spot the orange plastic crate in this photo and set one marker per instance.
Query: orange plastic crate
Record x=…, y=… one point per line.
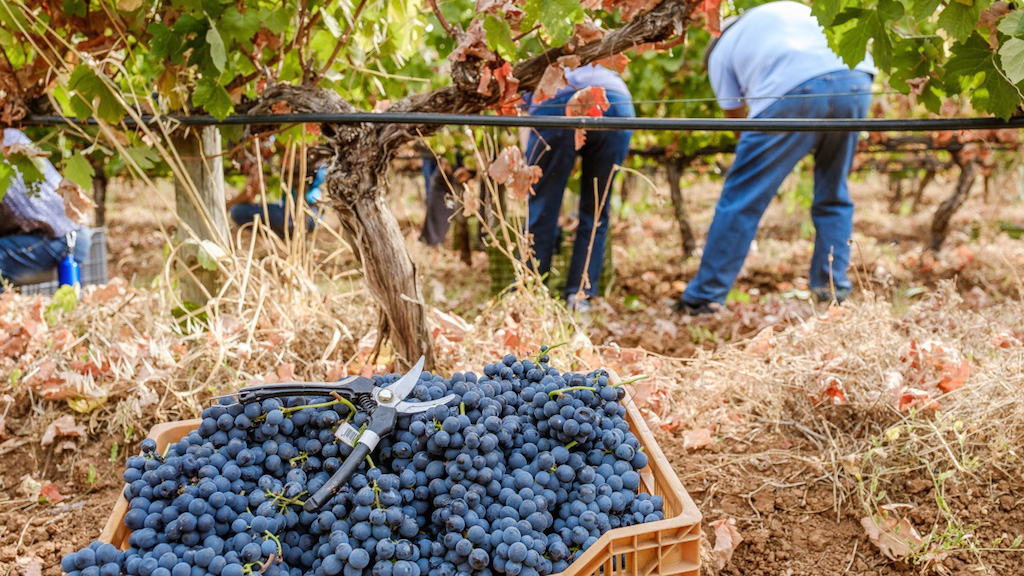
x=670, y=547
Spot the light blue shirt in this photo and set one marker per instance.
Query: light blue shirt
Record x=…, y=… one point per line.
x=770, y=50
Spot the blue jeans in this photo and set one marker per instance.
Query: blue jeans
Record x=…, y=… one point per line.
x=25, y=256
x=246, y=213
x=763, y=160
x=554, y=150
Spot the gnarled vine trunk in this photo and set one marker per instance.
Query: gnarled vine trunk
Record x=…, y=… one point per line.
x=356, y=180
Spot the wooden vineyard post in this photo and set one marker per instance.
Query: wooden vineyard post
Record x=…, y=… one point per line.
x=200, y=205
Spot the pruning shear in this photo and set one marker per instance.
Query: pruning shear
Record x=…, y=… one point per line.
x=384, y=405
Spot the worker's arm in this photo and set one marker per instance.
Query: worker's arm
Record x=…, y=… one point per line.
x=740, y=112
x=250, y=189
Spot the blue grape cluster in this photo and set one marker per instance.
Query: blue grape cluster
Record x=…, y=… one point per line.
x=519, y=476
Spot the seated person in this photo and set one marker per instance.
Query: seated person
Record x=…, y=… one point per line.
x=35, y=232
x=244, y=211
x=444, y=189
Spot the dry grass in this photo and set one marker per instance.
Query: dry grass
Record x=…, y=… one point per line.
x=867, y=447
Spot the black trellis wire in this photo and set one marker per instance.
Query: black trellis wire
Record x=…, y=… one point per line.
x=587, y=123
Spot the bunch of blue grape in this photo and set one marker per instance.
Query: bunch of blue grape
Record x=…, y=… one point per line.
x=519, y=475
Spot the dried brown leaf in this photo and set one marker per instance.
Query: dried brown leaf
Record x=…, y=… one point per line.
x=29, y=566
x=511, y=169
x=697, y=438
x=727, y=539
x=78, y=206
x=473, y=45
x=896, y=538
x=65, y=426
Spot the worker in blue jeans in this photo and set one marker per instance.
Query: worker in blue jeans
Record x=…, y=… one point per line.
x=778, y=49
x=35, y=231
x=244, y=209
x=554, y=150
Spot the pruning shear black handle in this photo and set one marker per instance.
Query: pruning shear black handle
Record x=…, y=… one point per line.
x=347, y=387
x=382, y=423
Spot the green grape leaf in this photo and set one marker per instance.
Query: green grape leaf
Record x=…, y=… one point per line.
x=90, y=90
x=932, y=96
x=1012, y=24
x=218, y=54
x=215, y=8
x=212, y=97
x=1011, y=56
x=164, y=43
x=275, y=20
x=827, y=10
x=855, y=27
x=7, y=175
x=78, y=170
x=960, y=19
x=242, y=26
x=971, y=66
x=559, y=17
x=144, y=156
x=209, y=254
x=74, y=7
x=18, y=165
x=966, y=61
x=499, y=37
x=922, y=10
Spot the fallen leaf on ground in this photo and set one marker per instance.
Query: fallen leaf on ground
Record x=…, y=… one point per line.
x=697, y=439
x=830, y=390
x=30, y=487
x=452, y=326
x=727, y=539
x=894, y=538
x=29, y=566
x=64, y=426
x=51, y=493
x=762, y=343
x=286, y=372
x=103, y=293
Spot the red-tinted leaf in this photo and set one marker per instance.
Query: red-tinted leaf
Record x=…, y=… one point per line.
x=550, y=83
x=51, y=493
x=713, y=22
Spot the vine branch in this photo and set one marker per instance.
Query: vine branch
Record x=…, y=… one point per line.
x=341, y=41
x=440, y=18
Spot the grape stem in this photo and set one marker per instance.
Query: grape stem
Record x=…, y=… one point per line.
x=570, y=389
x=462, y=408
x=270, y=535
x=349, y=405
x=550, y=348
x=288, y=411
x=631, y=380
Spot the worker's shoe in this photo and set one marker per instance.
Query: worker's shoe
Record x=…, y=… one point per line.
x=705, y=309
x=575, y=304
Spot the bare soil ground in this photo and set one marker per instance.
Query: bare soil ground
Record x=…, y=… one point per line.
x=794, y=474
